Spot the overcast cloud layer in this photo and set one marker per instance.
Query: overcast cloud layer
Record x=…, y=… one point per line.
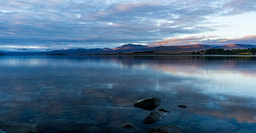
x=58, y=24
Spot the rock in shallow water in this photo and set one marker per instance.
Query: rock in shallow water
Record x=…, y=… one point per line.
x=182, y=106
x=165, y=129
x=148, y=103
x=127, y=125
x=120, y=126
x=15, y=127
x=156, y=116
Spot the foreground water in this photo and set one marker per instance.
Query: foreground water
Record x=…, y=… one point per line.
x=96, y=93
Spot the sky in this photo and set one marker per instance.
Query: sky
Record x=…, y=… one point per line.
x=36, y=25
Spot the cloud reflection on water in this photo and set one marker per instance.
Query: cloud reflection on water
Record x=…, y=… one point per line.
x=108, y=87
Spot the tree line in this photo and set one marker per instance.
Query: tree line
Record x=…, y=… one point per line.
x=249, y=51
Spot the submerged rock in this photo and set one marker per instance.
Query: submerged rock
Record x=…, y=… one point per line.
x=148, y=103
x=165, y=129
x=127, y=125
x=15, y=127
x=120, y=126
x=182, y=106
x=156, y=116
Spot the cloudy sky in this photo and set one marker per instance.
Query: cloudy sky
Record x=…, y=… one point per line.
x=63, y=24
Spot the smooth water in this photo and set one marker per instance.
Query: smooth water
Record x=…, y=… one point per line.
x=96, y=93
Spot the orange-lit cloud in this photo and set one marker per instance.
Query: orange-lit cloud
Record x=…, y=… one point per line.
x=181, y=41
x=250, y=39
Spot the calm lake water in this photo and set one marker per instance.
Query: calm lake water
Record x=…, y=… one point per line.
x=96, y=93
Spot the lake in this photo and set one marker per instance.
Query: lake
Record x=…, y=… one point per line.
x=97, y=93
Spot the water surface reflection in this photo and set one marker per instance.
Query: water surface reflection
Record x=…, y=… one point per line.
x=74, y=94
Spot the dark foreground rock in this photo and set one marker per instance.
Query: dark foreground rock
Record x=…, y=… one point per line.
x=182, y=106
x=165, y=129
x=148, y=103
x=156, y=116
x=15, y=127
x=120, y=126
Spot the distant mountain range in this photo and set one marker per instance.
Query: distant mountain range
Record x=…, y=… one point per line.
x=131, y=48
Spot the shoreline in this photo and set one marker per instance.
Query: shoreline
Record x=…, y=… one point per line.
x=70, y=55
